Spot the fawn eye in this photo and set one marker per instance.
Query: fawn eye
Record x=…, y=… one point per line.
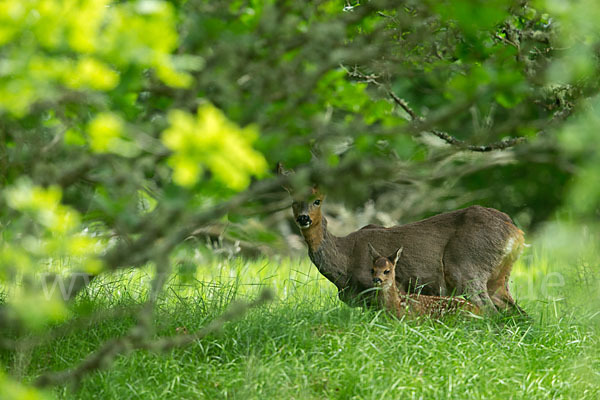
x=387, y=271
x=317, y=202
x=373, y=271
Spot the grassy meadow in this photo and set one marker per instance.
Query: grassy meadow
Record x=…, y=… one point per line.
x=306, y=344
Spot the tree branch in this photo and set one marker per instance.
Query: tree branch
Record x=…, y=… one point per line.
x=81, y=323
x=142, y=249
x=501, y=145
x=416, y=119
x=104, y=356
x=402, y=103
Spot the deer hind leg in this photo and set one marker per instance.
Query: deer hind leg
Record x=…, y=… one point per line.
x=497, y=286
x=498, y=291
x=478, y=295
x=466, y=277
x=476, y=291
x=504, y=302
x=502, y=299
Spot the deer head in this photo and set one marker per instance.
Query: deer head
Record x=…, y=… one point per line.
x=384, y=268
x=306, y=205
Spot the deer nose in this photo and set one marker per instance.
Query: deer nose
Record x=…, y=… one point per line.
x=304, y=220
x=377, y=280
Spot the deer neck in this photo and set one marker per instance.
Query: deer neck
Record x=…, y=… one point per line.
x=324, y=250
x=389, y=298
x=315, y=234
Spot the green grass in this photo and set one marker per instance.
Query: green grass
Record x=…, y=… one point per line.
x=306, y=344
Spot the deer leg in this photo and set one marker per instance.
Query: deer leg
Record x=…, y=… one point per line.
x=471, y=284
x=497, y=285
x=500, y=302
x=504, y=301
x=498, y=290
x=476, y=292
x=482, y=299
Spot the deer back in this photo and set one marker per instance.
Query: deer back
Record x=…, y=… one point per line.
x=438, y=251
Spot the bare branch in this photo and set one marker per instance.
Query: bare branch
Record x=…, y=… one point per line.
x=416, y=119
x=402, y=103
x=142, y=250
x=501, y=145
x=234, y=312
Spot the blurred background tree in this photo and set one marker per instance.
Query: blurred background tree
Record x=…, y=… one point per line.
x=127, y=127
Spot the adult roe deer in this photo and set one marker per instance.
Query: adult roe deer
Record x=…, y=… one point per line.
x=464, y=252
x=389, y=298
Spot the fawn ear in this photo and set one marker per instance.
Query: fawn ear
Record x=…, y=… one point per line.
x=281, y=171
x=373, y=253
x=396, y=256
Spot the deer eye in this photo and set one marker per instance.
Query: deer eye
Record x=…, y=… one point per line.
x=317, y=202
x=387, y=271
x=373, y=271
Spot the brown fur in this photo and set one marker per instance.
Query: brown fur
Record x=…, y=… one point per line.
x=411, y=305
x=469, y=251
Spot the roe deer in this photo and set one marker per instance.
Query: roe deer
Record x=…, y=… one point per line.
x=389, y=298
x=469, y=251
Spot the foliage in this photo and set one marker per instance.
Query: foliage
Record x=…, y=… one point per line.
x=213, y=142
x=128, y=126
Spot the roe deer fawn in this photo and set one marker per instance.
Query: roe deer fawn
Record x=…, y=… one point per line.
x=469, y=251
x=389, y=298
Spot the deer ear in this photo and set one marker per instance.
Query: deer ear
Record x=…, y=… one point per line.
x=279, y=168
x=281, y=171
x=373, y=253
x=396, y=256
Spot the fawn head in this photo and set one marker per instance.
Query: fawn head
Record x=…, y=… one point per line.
x=383, y=270
x=305, y=205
